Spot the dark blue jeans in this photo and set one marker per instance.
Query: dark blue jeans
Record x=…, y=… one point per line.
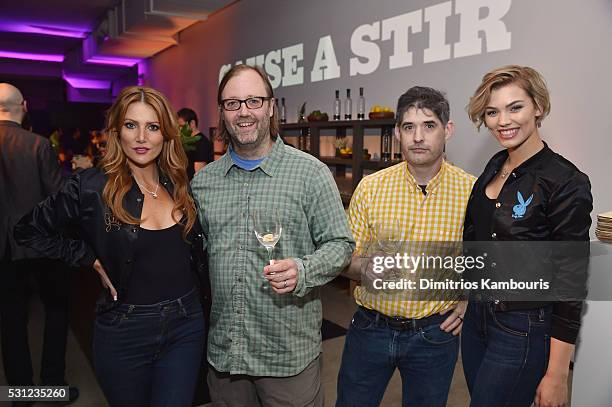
x=425, y=357
x=505, y=354
x=150, y=355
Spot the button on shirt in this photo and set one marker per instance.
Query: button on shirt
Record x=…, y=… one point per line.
x=254, y=330
x=438, y=216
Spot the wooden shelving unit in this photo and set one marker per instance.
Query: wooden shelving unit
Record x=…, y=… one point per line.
x=357, y=163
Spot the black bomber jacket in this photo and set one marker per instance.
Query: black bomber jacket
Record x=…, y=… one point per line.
x=79, y=205
x=556, y=206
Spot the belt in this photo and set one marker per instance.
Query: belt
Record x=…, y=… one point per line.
x=404, y=324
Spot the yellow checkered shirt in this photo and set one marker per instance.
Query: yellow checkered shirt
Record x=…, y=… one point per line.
x=393, y=193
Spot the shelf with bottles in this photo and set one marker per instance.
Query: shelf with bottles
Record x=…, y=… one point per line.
x=333, y=124
x=348, y=147
x=373, y=138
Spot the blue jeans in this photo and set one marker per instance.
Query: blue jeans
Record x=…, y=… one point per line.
x=425, y=357
x=505, y=354
x=150, y=355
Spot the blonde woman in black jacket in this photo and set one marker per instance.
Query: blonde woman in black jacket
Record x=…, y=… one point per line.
x=518, y=352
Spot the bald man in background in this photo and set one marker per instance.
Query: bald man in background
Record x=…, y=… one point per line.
x=29, y=172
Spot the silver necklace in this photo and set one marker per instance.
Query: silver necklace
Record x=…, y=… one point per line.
x=153, y=193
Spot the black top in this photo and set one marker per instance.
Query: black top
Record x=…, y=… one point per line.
x=546, y=198
x=162, y=269
x=482, y=209
x=203, y=153
x=101, y=236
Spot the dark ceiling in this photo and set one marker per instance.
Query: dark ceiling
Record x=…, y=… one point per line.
x=76, y=15
x=85, y=40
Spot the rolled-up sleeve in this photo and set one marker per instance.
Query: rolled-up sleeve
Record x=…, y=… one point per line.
x=329, y=231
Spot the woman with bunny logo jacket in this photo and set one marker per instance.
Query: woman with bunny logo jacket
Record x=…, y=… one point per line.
x=518, y=351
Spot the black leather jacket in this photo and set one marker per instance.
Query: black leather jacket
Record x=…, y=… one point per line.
x=79, y=204
x=559, y=210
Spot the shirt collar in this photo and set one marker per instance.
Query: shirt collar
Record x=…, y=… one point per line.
x=268, y=166
x=9, y=123
x=431, y=185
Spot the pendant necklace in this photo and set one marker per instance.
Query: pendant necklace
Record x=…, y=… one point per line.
x=505, y=171
x=153, y=193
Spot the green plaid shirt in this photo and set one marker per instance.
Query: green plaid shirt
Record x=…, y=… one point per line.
x=254, y=330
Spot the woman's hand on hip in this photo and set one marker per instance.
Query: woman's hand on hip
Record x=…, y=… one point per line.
x=106, y=283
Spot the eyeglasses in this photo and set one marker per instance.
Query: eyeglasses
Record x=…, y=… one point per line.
x=254, y=102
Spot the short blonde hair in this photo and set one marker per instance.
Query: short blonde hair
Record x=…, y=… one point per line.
x=525, y=77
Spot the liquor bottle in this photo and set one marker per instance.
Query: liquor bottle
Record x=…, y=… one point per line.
x=348, y=106
x=283, y=112
x=337, y=106
x=386, y=143
x=361, y=106
x=305, y=140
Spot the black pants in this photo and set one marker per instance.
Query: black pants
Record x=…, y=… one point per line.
x=54, y=287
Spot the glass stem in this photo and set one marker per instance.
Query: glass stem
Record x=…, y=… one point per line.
x=270, y=261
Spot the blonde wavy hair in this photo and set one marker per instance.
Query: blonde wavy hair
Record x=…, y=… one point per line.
x=172, y=160
x=525, y=77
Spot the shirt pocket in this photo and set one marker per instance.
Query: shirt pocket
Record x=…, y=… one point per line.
x=223, y=219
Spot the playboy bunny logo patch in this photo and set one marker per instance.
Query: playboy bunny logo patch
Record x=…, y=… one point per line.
x=520, y=208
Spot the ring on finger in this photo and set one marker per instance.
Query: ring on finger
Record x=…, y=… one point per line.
x=285, y=284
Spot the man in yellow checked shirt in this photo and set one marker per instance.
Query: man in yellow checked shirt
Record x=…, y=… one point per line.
x=426, y=197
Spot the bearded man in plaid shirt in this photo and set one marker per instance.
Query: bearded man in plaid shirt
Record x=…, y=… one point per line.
x=265, y=324
x=426, y=197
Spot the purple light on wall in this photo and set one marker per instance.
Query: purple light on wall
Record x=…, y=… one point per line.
x=112, y=61
x=41, y=29
x=32, y=57
x=86, y=83
x=143, y=71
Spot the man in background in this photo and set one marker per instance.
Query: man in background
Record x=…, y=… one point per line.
x=29, y=172
x=200, y=152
